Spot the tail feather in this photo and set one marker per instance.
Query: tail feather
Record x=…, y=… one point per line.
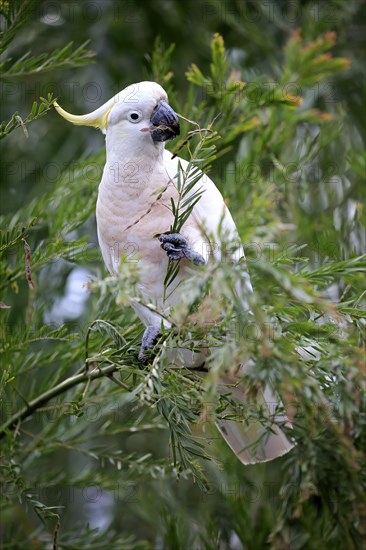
x=254, y=440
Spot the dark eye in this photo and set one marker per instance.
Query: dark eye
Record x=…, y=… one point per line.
x=134, y=116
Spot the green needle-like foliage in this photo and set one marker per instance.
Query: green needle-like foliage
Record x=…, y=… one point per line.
x=98, y=451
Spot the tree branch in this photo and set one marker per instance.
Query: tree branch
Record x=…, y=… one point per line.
x=32, y=406
x=78, y=378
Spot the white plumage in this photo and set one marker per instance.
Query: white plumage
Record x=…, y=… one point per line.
x=138, y=169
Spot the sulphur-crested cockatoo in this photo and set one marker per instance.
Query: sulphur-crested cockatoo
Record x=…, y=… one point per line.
x=129, y=215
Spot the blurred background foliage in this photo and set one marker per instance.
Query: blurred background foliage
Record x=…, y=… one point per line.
x=93, y=466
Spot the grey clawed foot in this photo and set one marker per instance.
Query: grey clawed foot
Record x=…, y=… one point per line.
x=176, y=246
x=148, y=342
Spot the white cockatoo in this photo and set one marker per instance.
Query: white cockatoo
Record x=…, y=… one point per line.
x=137, y=169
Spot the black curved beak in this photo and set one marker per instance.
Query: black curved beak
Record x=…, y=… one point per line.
x=167, y=120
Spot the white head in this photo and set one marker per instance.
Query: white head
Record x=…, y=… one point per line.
x=132, y=114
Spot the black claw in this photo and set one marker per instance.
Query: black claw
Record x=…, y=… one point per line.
x=194, y=257
x=168, y=247
x=176, y=246
x=174, y=238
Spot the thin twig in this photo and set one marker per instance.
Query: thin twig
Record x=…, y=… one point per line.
x=118, y=382
x=56, y=532
x=28, y=271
